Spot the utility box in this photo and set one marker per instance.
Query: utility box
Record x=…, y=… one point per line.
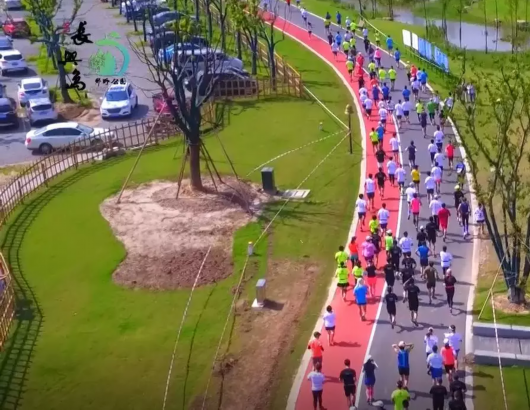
x=267, y=180
x=259, y=302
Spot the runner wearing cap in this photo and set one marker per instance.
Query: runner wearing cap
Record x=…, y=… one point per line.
x=449, y=359
x=430, y=340
x=368, y=250
x=449, y=282
x=390, y=301
x=454, y=340
x=402, y=350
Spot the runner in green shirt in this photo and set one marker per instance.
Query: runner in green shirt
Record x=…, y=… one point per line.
x=431, y=109
x=392, y=75
x=419, y=109
x=399, y=396
x=357, y=271
x=342, y=279
x=349, y=67
x=377, y=39
x=346, y=47
x=353, y=27
x=382, y=74
x=371, y=69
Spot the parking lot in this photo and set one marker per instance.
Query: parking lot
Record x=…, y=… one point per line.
x=100, y=22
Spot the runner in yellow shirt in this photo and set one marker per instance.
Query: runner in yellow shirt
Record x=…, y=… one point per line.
x=373, y=225
x=371, y=69
x=349, y=67
x=382, y=75
x=341, y=256
x=415, y=176
x=353, y=27
x=419, y=109
x=346, y=47
x=392, y=75
x=374, y=137
x=377, y=39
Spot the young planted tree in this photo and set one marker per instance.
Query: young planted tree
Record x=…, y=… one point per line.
x=51, y=33
x=246, y=19
x=187, y=80
x=444, y=4
x=268, y=31
x=505, y=151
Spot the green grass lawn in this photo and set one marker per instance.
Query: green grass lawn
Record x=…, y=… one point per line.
x=82, y=342
x=488, y=393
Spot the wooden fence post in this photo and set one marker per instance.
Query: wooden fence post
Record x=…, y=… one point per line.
x=43, y=171
x=20, y=192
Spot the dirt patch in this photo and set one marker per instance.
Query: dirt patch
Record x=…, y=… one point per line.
x=70, y=112
x=503, y=304
x=167, y=239
x=266, y=336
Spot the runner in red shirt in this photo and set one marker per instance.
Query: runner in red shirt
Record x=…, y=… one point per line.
x=443, y=217
x=360, y=59
x=374, y=82
x=316, y=349
x=450, y=153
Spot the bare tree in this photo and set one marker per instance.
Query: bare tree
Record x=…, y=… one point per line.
x=187, y=79
x=426, y=19
x=504, y=100
x=245, y=17
x=460, y=10
x=52, y=34
x=444, y=4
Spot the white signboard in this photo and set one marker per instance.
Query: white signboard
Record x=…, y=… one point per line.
x=407, y=38
x=415, y=42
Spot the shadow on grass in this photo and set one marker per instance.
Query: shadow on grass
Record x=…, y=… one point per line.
x=17, y=357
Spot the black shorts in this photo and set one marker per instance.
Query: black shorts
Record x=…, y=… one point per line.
x=406, y=113
x=431, y=239
x=370, y=195
x=449, y=368
x=350, y=71
x=391, y=177
x=317, y=395
x=404, y=371
x=317, y=360
x=369, y=111
x=415, y=91
x=343, y=285
x=407, y=254
x=413, y=307
x=431, y=285
x=361, y=214
x=401, y=183
x=330, y=328
x=391, y=310
x=430, y=191
x=383, y=226
x=398, y=117
x=432, y=155
x=349, y=391
x=424, y=263
x=431, y=115
x=383, y=121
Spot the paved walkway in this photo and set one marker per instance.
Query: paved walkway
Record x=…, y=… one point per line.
x=355, y=339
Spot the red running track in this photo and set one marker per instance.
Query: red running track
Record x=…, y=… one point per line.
x=352, y=335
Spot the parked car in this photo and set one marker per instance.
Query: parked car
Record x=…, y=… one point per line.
x=61, y=134
x=8, y=112
x=193, y=43
x=196, y=60
x=162, y=39
x=12, y=60
x=13, y=4
x=6, y=43
x=119, y=101
x=17, y=28
x=34, y=87
x=227, y=83
x=164, y=17
x=41, y=109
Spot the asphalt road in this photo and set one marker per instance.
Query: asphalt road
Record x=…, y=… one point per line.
x=436, y=315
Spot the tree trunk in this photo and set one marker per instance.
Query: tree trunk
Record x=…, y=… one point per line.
x=62, y=78
x=197, y=10
x=238, y=44
x=210, y=23
x=195, y=166
x=426, y=21
x=360, y=8
x=516, y=295
x=254, y=49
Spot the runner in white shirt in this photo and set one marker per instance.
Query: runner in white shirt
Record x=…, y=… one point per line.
x=362, y=91
x=415, y=85
x=360, y=205
x=445, y=259
x=335, y=50
x=435, y=206
x=449, y=101
x=398, y=108
x=405, y=244
x=381, y=104
x=400, y=177
x=363, y=98
x=368, y=104
x=329, y=324
x=383, y=113
x=409, y=192
x=406, y=110
x=369, y=188
x=383, y=215
x=394, y=147
x=391, y=168
x=454, y=340
x=439, y=161
x=430, y=186
x=480, y=218
x=436, y=173
x=430, y=340
x=439, y=138
x=433, y=149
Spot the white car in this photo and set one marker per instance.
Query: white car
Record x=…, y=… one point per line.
x=34, y=87
x=58, y=135
x=12, y=60
x=40, y=109
x=119, y=101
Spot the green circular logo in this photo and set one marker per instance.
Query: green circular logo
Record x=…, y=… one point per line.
x=103, y=63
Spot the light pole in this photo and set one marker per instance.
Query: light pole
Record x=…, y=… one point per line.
x=349, y=111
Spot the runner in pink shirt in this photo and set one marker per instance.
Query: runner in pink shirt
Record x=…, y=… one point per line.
x=377, y=56
x=415, y=206
x=368, y=249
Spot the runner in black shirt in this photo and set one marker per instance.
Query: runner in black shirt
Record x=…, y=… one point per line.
x=439, y=394
x=349, y=378
x=409, y=263
x=395, y=254
x=381, y=178
x=463, y=214
x=449, y=282
x=457, y=385
x=390, y=274
x=431, y=230
x=457, y=402
x=458, y=195
x=421, y=237
x=376, y=240
x=391, y=300
x=413, y=293
x=411, y=149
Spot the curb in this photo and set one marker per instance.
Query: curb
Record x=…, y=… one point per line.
x=506, y=359
x=503, y=331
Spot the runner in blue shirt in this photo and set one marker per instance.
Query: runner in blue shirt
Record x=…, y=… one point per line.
x=397, y=57
x=339, y=19
x=423, y=252
x=380, y=133
x=360, y=291
x=406, y=93
x=375, y=93
x=338, y=39
x=389, y=43
x=386, y=91
x=403, y=349
x=423, y=79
